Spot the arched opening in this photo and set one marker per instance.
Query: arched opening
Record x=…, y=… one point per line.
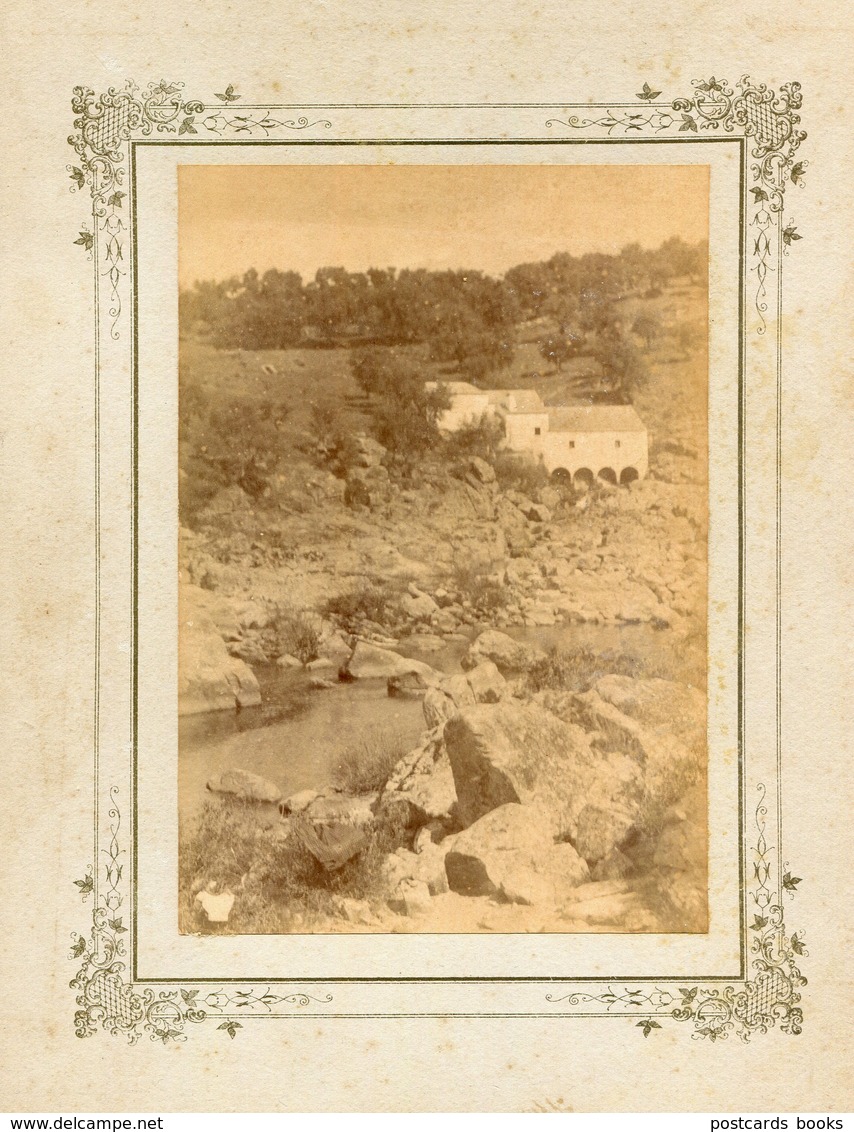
x=608, y=475
x=561, y=477
x=583, y=477
x=628, y=475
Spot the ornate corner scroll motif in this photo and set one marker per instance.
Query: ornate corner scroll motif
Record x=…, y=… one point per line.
x=771, y=996
x=108, y=1000
x=769, y=118
x=104, y=123
x=102, y=126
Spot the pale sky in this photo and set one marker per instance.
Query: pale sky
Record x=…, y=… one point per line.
x=491, y=217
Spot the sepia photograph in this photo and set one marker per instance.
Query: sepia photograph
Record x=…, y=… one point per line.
x=443, y=549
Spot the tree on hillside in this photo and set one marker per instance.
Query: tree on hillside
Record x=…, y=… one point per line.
x=335, y=443
x=244, y=442
x=647, y=325
x=473, y=322
x=482, y=436
x=407, y=422
x=237, y=442
x=558, y=349
x=406, y=413
x=623, y=367
x=380, y=372
x=530, y=284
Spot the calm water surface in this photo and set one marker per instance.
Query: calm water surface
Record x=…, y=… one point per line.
x=296, y=736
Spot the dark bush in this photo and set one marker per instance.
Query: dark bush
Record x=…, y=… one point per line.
x=520, y=473
x=578, y=670
x=486, y=593
x=296, y=634
x=368, y=601
x=482, y=437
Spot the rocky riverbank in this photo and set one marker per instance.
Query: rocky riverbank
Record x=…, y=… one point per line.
x=455, y=553
x=548, y=792
x=582, y=811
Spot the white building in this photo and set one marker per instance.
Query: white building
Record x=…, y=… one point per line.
x=582, y=442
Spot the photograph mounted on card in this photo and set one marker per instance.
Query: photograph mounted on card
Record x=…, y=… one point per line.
x=427, y=542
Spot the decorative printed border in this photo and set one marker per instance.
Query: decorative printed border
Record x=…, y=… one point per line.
x=104, y=127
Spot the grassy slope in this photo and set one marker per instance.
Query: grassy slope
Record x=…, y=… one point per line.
x=304, y=519
x=305, y=377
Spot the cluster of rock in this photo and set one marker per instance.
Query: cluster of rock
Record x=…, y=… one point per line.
x=523, y=805
x=543, y=804
x=209, y=677
x=635, y=555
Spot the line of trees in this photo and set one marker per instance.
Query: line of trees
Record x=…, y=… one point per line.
x=466, y=317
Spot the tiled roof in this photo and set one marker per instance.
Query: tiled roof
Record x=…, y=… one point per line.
x=595, y=418
x=523, y=400
x=455, y=388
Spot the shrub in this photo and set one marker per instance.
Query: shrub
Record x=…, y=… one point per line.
x=623, y=367
x=520, y=473
x=221, y=443
x=577, y=670
x=364, y=767
x=559, y=348
x=485, y=592
x=277, y=883
x=482, y=437
x=367, y=601
x=335, y=446
x=297, y=634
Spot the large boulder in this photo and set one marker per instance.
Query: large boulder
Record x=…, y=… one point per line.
x=209, y=678
x=438, y=707
x=369, y=662
x=549, y=497
x=341, y=809
x=369, y=451
x=418, y=606
x=487, y=683
x=508, y=655
x=508, y=752
x=659, y=723
x=538, y=513
x=481, y=470
x=334, y=647
x=409, y=686
x=424, y=781
x=296, y=803
x=482, y=685
x=367, y=487
x=410, y=898
x=509, y=853
x=657, y=703
x=245, y=785
x=427, y=867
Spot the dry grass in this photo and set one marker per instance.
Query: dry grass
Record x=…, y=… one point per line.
x=576, y=670
x=364, y=767
x=485, y=593
x=278, y=885
x=297, y=634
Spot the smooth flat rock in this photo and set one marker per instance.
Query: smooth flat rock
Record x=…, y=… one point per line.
x=506, y=653
x=369, y=662
x=245, y=785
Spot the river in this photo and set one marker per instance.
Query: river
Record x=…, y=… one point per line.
x=296, y=735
